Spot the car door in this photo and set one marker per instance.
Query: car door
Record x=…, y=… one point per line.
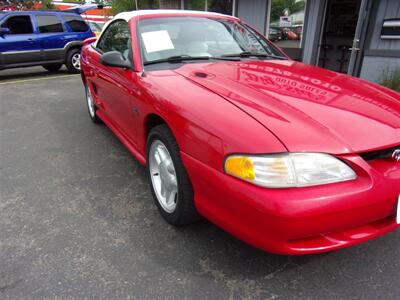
x=51, y=36
x=19, y=46
x=115, y=87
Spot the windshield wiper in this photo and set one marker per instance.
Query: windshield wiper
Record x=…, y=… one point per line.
x=177, y=58
x=180, y=58
x=245, y=54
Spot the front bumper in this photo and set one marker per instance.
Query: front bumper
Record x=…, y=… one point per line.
x=301, y=220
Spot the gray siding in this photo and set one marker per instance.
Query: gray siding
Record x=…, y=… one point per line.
x=387, y=9
x=374, y=68
x=313, y=30
x=254, y=13
x=381, y=56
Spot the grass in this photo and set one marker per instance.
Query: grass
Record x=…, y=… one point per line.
x=391, y=80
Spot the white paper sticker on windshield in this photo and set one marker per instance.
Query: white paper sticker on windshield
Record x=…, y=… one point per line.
x=157, y=41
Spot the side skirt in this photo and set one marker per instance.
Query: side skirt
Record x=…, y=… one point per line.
x=131, y=148
x=31, y=64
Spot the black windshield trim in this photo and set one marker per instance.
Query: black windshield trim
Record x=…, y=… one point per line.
x=246, y=54
x=179, y=59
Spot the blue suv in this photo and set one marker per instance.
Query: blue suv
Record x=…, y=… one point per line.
x=46, y=38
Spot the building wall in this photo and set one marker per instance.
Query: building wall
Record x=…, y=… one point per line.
x=381, y=56
x=313, y=29
x=375, y=68
x=386, y=9
x=253, y=12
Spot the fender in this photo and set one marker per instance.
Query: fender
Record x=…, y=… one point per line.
x=73, y=44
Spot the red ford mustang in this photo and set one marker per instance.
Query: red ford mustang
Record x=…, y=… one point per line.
x=288, y=157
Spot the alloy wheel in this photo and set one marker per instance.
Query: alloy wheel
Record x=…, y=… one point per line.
x=90, y=103
x=76, y=61
x=163, y=176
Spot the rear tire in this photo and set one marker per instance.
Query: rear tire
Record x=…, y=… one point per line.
x=52, y=67
x=73, y=60
x=166, y=172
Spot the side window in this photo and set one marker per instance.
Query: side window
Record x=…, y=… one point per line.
x=76, y=23
x=49, y=23
x=18, y=25
x=116, y=38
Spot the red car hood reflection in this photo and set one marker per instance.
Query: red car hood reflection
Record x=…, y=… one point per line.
x=307, y=108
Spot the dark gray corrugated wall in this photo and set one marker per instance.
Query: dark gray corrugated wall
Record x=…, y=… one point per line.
x=381, y=56
x=313, y=30
x=387, y=9
x=253, y=12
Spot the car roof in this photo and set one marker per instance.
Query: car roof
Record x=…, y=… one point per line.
x=127, y=16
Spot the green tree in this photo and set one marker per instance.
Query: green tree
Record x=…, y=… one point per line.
x=279, y=6
x=47, y=4
x=74, y=1
x=127, y=5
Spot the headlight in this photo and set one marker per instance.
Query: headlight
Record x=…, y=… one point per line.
x=288, y=169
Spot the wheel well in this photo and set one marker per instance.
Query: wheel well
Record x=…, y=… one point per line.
x=68, y=50
x=73, y=47
x=152, y=121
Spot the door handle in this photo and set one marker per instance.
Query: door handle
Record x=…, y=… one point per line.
x=354, y=46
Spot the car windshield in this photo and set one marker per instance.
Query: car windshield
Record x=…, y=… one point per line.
x=167, y=37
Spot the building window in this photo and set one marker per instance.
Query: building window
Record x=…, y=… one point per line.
x=195, y=4
x=286, y=22
x=150, y=4
x=221, y=6
x=170, y=4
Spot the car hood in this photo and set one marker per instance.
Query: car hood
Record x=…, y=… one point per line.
x=307, y=108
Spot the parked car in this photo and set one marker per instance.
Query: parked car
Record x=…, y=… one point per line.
x=46, y=38
x=288, y=157
x=275, y=34
x=298, y=30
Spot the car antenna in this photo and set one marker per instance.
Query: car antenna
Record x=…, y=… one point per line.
x=140, y=43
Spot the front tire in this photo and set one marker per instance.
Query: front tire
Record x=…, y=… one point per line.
x=52, y=67
x=170, y=184
x=73, y=61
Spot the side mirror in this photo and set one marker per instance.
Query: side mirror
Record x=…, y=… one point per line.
x=4, y=31
x=115, y=59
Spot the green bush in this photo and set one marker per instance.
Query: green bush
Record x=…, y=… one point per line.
x=74, y=1
x=47, y=4
x=391, y=80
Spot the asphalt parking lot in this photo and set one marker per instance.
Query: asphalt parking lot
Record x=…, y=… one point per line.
x=77, y=220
